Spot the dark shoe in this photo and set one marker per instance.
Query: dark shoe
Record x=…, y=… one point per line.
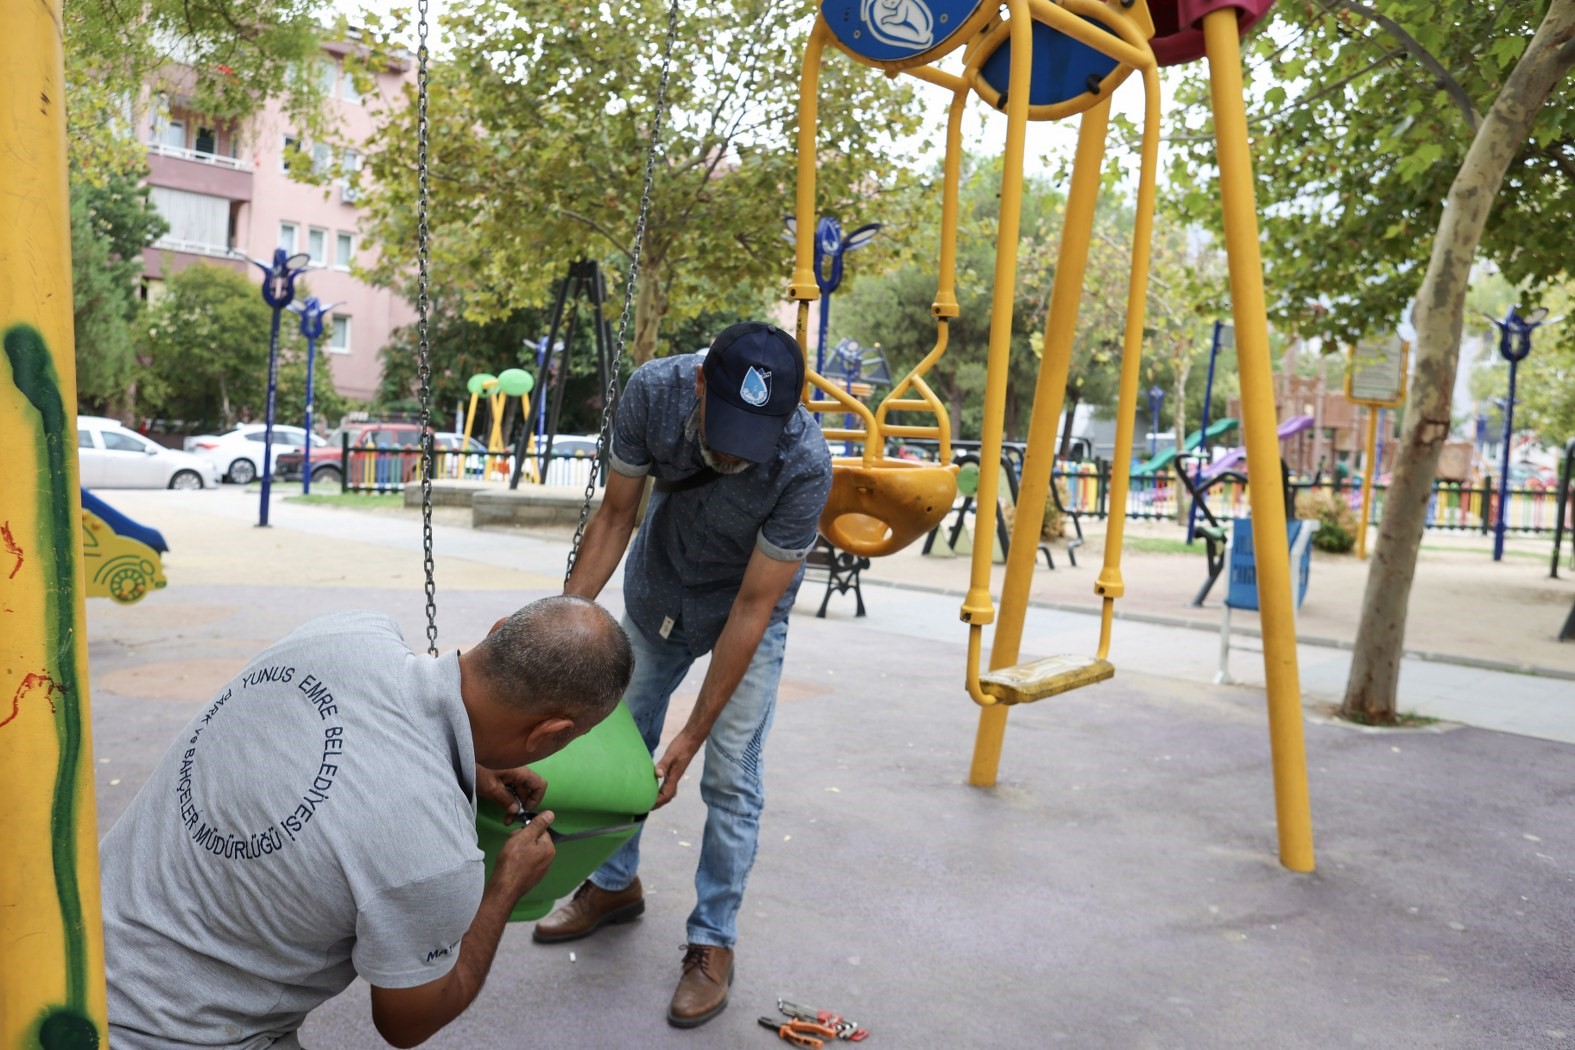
x=702, y=990
x=589, y=910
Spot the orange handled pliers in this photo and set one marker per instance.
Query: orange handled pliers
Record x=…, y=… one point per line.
x=800, y=1033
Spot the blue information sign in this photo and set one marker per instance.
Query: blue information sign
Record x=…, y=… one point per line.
x=901, y=31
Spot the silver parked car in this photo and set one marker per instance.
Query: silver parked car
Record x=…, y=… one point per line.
x=110, y=456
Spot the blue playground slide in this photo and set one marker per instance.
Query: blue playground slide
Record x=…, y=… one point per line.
x=1290, y=428
x=122, y=525
x=1218, y=428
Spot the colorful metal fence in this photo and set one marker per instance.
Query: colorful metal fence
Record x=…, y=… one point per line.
x=391, y=468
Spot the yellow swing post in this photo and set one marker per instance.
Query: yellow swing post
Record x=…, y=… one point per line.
x=51, y=932
x=1287, y=747
x=1007, y=682
x=1061, y=326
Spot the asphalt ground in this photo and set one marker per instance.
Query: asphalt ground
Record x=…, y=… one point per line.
x=1118, y=888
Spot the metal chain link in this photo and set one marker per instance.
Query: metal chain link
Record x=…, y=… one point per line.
x=423, y=309
x=610, y=402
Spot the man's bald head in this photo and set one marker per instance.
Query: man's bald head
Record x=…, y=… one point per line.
x=560, y=656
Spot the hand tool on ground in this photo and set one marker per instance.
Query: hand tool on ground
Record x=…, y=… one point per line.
x=800, y=1032
x=843, y=1028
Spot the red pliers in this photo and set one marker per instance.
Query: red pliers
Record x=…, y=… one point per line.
x=799, y=1032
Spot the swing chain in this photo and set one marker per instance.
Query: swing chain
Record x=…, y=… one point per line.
x=609, y=401
x=423, y=309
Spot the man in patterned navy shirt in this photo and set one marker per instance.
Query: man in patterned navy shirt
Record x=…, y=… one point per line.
x=741, y=472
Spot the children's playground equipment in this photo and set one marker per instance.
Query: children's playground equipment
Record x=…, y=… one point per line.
x=1234, y=459
x=585, y=285
x=497, y=389
x=1243, y=590
x=120, y=558
x=1218, y=429
x=1042, y=60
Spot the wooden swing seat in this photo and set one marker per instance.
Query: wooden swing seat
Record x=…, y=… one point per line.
x=1025, y=683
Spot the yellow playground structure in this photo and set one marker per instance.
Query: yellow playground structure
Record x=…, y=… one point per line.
x=1046, y=60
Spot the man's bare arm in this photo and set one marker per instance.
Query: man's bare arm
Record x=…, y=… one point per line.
x=606, y=536
x=765, y=580
x=410, y=1016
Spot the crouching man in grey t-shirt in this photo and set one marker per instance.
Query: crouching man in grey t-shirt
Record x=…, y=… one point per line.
x=316, y=821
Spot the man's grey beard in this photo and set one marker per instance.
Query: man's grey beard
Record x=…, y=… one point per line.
x=710, y=457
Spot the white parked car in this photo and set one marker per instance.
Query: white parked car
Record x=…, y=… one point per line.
x=239, y=453
x=110, y=456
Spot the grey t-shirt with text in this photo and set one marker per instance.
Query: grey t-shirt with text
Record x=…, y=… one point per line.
x=315, y=821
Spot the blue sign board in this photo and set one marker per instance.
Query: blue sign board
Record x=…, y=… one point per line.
x=898, y=30
x=1243, y=592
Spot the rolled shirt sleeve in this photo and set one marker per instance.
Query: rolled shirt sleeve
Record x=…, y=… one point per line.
x=630, y=455
x=789, y=533
x=409, y=935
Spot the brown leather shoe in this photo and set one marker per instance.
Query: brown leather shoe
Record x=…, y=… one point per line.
x=589, y=910
x=702, y=990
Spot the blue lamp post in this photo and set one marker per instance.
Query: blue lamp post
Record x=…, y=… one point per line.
x=1156, y=399
x=311, y=312
x=830, y=247
x=278, y=289
x=1224, y=335
x=1514, y=345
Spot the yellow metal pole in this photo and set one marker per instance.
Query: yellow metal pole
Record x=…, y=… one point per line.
x=1060, y=330
x=1287, y=747
x=1369, y=478
x=51, y=933
x=977, y=609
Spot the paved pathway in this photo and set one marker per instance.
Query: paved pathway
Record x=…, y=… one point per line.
x=1117, y=889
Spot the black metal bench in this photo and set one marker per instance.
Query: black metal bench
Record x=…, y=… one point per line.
x=840, y=570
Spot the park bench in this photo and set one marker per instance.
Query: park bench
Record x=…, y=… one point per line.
x=840, y=569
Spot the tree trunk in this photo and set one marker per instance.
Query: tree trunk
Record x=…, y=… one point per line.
x=1073, y=399
x=649, y=306
x=1438, y=318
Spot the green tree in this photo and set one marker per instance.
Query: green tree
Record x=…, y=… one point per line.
x=541, y=115
x=221, y=57
x=893, y=308
x=204, y=352
x=110, y=225
x=1384, y=137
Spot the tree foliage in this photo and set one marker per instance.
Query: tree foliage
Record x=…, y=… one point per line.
x=222, y=58
x=204, y=350
x=1361, y=116
x=541, y=115
x=110, y=225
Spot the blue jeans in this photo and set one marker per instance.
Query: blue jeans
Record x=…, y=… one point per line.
x=731, y=785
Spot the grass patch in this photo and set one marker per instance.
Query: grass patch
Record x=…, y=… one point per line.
x=1402, y=720
x=352, y=500
x=1159, y=545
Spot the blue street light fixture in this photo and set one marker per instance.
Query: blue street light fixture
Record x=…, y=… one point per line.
x=830, y=247
x=1514, y=345
x=278, y=289
x=1156, y=398
x=312, y=313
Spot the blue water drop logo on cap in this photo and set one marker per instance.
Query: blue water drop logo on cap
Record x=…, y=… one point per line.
x=756, y=387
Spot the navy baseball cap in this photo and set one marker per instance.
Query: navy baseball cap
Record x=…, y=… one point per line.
x=754, y=377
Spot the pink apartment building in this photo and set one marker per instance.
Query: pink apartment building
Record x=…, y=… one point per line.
x=224, y=188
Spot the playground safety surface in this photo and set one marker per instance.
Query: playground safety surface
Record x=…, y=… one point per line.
x=1118, y=888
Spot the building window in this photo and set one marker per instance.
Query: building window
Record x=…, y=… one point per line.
x=349, y=167
x=207, y=142
x=322, y=158
x=339, y=335
x=287, y=234
x=173, y=133
x=344, y=250
x=351, y=92
x=328, y=76
x=198, y=222
x=317, y=246
x=292, y=146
